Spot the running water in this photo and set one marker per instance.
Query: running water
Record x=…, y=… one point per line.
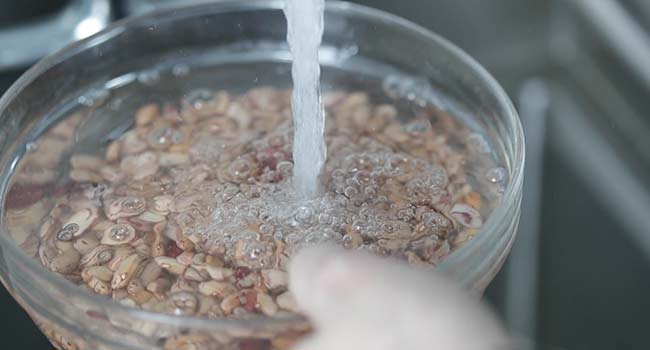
x=304, y=33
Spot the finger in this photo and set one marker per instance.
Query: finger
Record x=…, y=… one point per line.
x=317, y=277
x=361, y=297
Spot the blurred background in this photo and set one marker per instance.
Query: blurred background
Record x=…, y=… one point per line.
x=578, y=71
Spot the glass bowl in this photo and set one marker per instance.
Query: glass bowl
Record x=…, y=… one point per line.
x=243, y=44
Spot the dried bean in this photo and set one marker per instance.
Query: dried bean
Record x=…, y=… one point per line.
x=230, y=302
x=78, y=223
x=66, y=262
x=119, y=254
x=146, y=114
x=87, y=162
x=216, y=288
x=194, y=275
x=287, y=302
x=185, y=258
x=266, y=304
x=466, y=215
x=150, y=272
x=170, y=264
x=83, y=175
x=102, y=273
x=126, y=270
x=86, y=243
x=98, y=286
x=158, y=286
x=97, y=256
x=275, y=280
x=48, y=228
x=112, y=152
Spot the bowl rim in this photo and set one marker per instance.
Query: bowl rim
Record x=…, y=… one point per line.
x=510, y=193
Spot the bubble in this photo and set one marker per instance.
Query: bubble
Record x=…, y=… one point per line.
x=120, y=232
x=197, y=99
x=350, y=182
x=255, y=250
x=31, y=146
x=415, y=184
x=278, y=236
x=292, y=239
x=406, y=214
x=251, y=215
x=330, y=234
x=247, y=235
x=362, y=177
x=395, y=164
x=382, y=199
x=369, y=191
x=268, y=176
x=324, y=219
x=315, y=237
x=180, y=70
x=304, y=215
x=416, y=90
x=392, y=86
x=338, y=174
x=418, y=126
x=338, y=187
x=347, y=241
x=358, y=226
x=387, y=227
x=350, y=192
x=149, y=77
x=266, y=229
x=285, y=167
x=264, y=216
x=182, y=303
x=373, y=249
x=253, y=191
x=94, y=98
x=337, y=222
x=132, y=204
x=229, y=193
x=429, y=217
x=364, y=212
x=164, y=136
x=341, y=200
x=227, y=236
x=364, y=160
x=496, y=175
x=240, y=168
x=438, y=177
x=67, y=232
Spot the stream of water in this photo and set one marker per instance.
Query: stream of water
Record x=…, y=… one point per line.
x=304, y=33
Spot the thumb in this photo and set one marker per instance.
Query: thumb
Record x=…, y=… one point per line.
x=358, y=301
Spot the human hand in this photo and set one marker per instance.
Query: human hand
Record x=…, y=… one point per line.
x=361, y=302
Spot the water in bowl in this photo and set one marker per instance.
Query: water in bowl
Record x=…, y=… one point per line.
x=189, y=175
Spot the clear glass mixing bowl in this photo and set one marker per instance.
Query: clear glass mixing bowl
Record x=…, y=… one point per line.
x=237, y=43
